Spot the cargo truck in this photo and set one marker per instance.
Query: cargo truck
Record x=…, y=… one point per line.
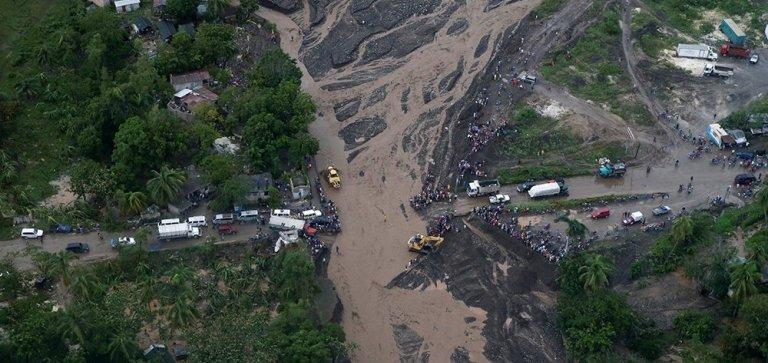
x=699, y=51
x=731, y=50
x=718, y=70
x=285, y=223
x=167, y=232
x=733, y=32
x=478, y=188
x=545, y=190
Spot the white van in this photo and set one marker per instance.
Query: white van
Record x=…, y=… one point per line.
x=310, y=214
x=166, y=222
x=197, y=221
x=281, y=212
x=227, y=218
x=248, y=215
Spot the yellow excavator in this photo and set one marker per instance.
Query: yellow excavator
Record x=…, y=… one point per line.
x=424, y=244
x=333, y=177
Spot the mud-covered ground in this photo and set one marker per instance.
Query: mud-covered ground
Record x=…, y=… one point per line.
x=498, y=274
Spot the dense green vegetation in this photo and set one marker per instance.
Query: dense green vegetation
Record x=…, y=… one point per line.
x=650, y=39
x=740, y=118
x=593, y=318
x=81, y=99
x=228, y=303
x=545, y=150
x=589, y=69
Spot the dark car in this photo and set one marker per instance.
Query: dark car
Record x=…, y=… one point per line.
x=78, y=247
x=745, y=155
x=61, y=228
x=524, y=187
x=226, y=229
x=744, y=179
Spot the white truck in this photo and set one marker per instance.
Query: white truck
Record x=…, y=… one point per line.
x=478, y=188
x=285, y=223
x=699, y=51
x=167, y=232
x=718, y=70
x=550, y=189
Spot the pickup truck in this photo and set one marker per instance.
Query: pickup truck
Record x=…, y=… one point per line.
x=661, y=210
x=633, y=218
x=499, y=199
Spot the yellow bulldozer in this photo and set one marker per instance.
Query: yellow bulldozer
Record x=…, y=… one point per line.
x=333, y=177
x=424, y=244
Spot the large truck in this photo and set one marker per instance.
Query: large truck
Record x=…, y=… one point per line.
x=733, y=32
x=719, y=136
x=699, y=51
x=478, y=188
x=177, y=230
x=285, y=223
x=718, y=70
x=731, y=50
x=551, y=189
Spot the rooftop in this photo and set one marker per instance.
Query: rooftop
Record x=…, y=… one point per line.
x=194, y=76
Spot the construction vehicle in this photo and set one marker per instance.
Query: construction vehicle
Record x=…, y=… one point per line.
x=424, y=244
x=611, y=170
x=333, y=177
x=478, y=188
x=736, y=51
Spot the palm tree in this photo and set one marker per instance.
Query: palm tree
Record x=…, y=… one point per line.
x=758, y=253
x=135, y=202
x=762, y=201
x=60, y=262
x=682, y=231
x=182, y=311
x=72, y=325
x=122, y=347
x=165, y=184
x=575, y=229
x=744, y=279
x=85, y=285
x=593, y=274
x=216, y=7
x=180, y=275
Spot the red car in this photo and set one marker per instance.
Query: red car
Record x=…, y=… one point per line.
x=601, y=213
x=226, y=229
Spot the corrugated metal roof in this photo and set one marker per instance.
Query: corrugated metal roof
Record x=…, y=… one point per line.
x=119, y=3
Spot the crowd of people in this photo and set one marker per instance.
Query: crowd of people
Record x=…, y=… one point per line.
x=317, y=248
x=430, y=192
x=440, y=225
x=549, y=243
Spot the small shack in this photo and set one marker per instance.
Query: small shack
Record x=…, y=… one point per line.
x=124, y=6
x=166, y=30
x=190, y=80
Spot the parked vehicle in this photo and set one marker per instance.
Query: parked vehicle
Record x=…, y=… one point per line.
x=179, y=230
x=311, y=214
x=719, y=136
x=27, y=233
x=525, y=186
x=745, y=155
x=731, y=50
x=600, y=213
x=739, y=138
x=61, y=228
x=122, y=241
x=499, y=199
x=197, y=221
x=478, y=188
x=226, y=218
x=78, y=247
x=699, y=51
x=286, y=223
x=226, y=229
x=754, y=58
x=248, y=216
x=281, y=212
x=165, y=222
x=661, y=210
x=550, y=189
x=634, y=217
x=527, y=78
x=744, y=179
x=718, y=70
x=733, y=32
x=611, y=170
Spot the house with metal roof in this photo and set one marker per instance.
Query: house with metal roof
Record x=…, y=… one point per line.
x=166, y=30
x=124, y=6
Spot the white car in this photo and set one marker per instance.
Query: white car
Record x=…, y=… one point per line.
x=122, y=241
x=754, y=58
x=499, y=198
x=27, y=233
